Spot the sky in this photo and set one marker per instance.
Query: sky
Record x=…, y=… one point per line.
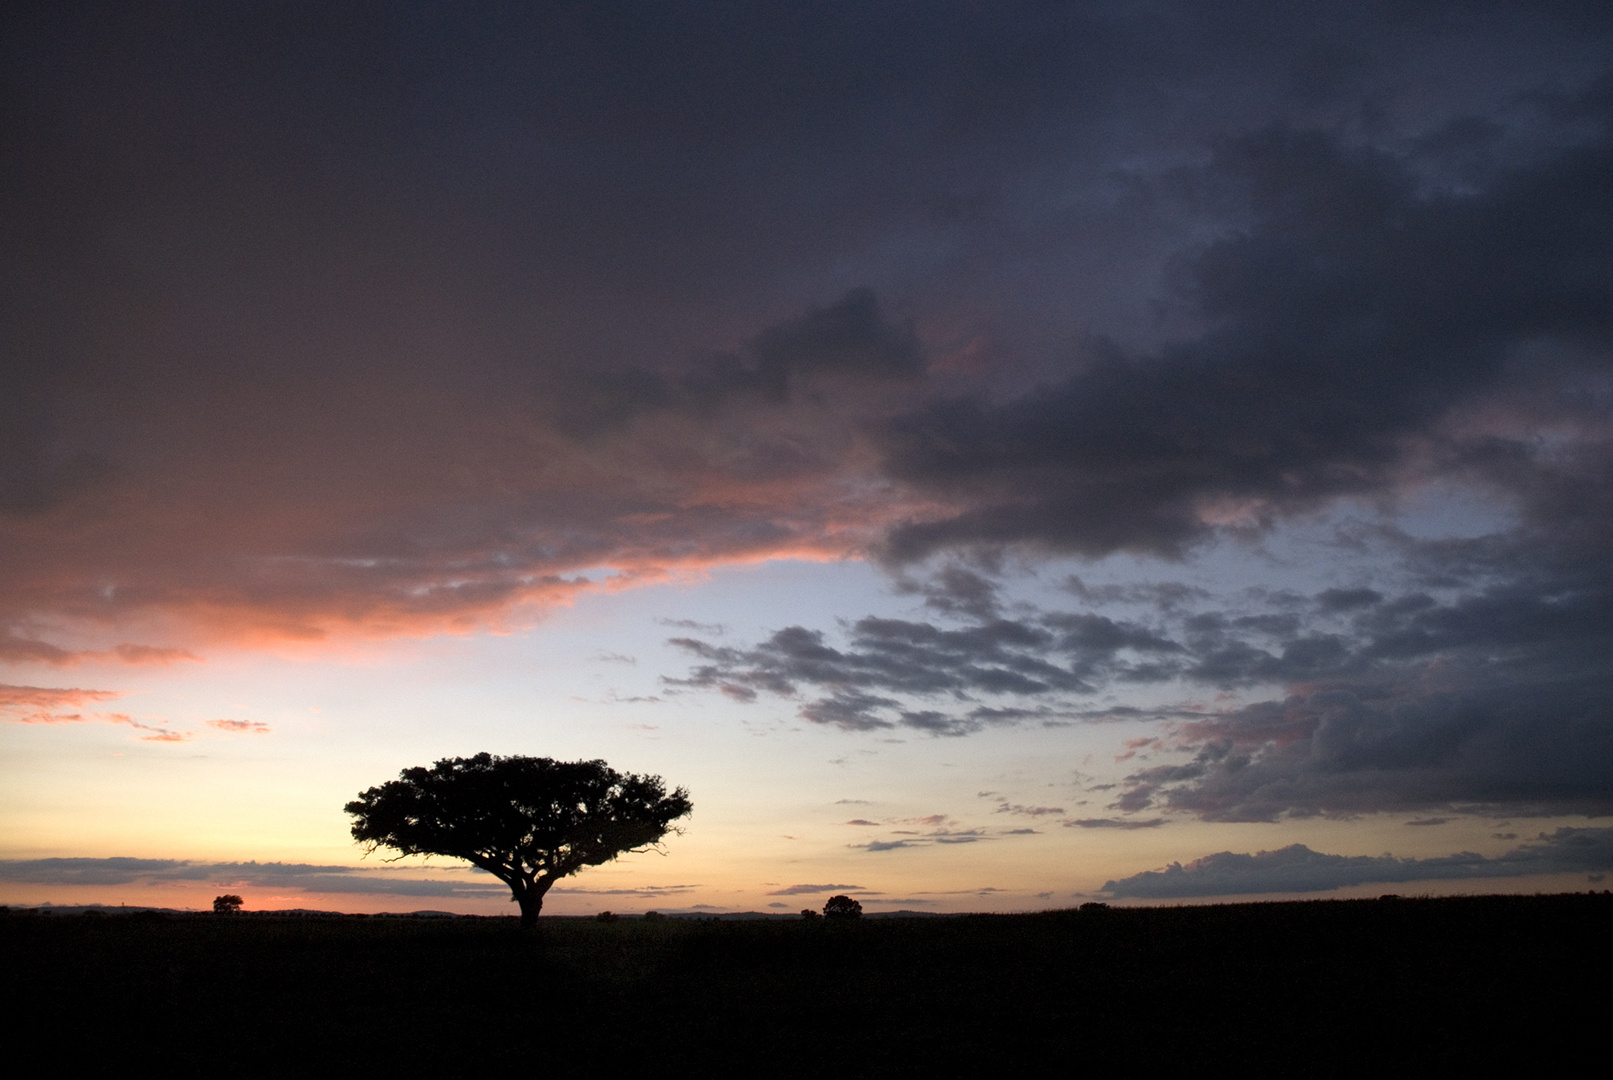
x=996, y=456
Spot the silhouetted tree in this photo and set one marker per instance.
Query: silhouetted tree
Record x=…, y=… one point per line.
x=842, y=907
x=228, y=904
x=527, y=821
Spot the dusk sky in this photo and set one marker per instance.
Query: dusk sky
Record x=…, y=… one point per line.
x=995, y=456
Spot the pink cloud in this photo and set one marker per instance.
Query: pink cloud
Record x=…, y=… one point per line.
x=51, y=705
x=154, y=733
x=48, y=705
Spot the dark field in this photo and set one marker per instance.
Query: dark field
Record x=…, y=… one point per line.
x=1318, y=988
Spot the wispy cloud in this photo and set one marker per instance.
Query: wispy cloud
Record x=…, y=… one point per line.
x=804, y=890
x=49, y=705
x=249, y=727
x=646, y=891
x=1114, y=823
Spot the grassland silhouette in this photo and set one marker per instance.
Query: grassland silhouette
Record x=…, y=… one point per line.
x=1311, y=988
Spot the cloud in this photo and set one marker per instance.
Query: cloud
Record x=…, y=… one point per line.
x=305, y=877
x=716, y=629
x=848, y=340
x=1500, y=698
x=527, y=318
x=1053, y=655
x=1375, y=313
x=913, y=838
x=648, y=891
x=1478, y=683
x=154, y=733
x=560, y=313
x=1297, y=868
x=16, y=648
x=1114, y=823
x=113, y=871
x=1006, y=807
x=956, y=590
x=48, y=705
x=802, y=890
x=253, y=727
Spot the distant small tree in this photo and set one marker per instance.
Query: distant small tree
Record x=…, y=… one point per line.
x=842, y=907
x=527, y=821
x=809, y=914
x=228, y=904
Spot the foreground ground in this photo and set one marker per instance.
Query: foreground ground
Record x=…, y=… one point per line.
x=1322, y=988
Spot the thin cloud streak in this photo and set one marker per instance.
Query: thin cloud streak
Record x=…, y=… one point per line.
x=304, y=877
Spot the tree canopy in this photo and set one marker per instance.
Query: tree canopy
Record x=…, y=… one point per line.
x=842, y=907
x=528, y=821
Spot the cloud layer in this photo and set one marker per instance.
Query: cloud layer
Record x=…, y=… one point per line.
x=396, y=325
x=1297, y=868
x=421, y=322
x=1487, y=688
x=303, y=877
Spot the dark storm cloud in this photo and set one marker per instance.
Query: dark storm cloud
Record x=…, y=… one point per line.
x=850, y=340
x=1499, y=696
x=1297, y=868
x=1352, y=312
x=313, y=303
x=392, y=319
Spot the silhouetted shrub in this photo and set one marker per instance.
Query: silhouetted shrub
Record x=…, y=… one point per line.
x=228, y=904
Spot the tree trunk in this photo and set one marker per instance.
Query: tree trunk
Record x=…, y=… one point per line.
x=531, y=901
x=530, y=897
